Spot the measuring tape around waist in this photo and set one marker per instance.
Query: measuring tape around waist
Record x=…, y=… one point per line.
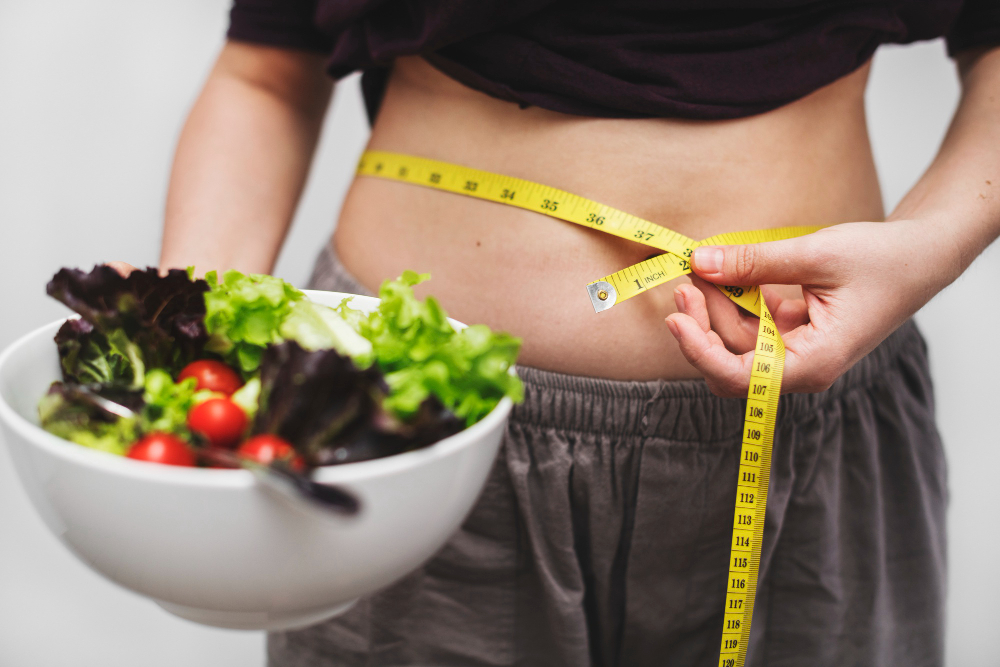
x=605, y=293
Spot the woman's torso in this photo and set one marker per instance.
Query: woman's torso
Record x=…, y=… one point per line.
x=806, y=163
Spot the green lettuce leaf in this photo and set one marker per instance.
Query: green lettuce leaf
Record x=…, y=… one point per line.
x=246, y=313
x=167, y=403
x=87, y=356
x=62, y=413
x=318, y=327
x=248, y=397
x=423, y=356
x=354, y=318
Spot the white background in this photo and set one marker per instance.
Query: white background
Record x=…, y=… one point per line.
x=92, y=96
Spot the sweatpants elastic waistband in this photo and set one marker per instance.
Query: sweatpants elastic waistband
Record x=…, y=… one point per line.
x=685, y=410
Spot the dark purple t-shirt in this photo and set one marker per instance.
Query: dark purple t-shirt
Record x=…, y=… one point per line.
x=707, y=59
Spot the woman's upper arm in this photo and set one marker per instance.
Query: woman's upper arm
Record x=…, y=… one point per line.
x=297, y=78
x=276, y=47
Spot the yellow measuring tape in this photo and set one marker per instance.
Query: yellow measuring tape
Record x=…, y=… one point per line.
x=605, y=293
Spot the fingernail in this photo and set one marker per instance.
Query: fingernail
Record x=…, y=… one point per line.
x=708, y=260
x=673, y=328
x=679, y=299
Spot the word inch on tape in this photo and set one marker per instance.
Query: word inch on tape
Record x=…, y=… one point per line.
x=611, y=290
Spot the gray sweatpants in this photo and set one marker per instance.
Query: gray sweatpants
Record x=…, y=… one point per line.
x=602, y=536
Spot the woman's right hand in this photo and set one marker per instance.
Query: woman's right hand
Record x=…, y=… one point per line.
x=860, y=281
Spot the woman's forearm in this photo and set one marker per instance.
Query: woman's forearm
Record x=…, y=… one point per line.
x=959, y=195
x=242, y=159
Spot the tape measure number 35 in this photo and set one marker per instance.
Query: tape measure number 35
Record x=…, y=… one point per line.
x=606, y=292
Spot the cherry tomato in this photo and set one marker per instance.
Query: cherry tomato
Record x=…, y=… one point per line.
x=162, y=448
x=266, y=448
x=212, y=375
x=220, y=420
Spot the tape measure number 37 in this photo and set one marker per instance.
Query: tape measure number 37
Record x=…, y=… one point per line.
x=606, y=292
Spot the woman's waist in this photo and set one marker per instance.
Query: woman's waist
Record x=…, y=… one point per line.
x=805, y=164
x=527, y=273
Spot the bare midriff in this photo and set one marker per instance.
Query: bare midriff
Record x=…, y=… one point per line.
x=806, y=163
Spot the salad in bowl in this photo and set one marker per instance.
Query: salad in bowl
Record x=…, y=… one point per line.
x=249, y=363
x=130, y=432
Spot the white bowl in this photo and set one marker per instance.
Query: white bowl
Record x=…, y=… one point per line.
x=215, y=547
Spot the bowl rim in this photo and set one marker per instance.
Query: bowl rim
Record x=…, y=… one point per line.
x=227, y=478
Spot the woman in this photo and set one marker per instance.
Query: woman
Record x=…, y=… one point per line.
x=603, y=534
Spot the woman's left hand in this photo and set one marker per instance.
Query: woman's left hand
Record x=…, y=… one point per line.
x=860, y=281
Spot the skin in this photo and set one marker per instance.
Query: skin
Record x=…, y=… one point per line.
x=242, y=159
x=244, y=154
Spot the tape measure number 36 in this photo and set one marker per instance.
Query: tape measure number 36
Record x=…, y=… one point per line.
x=606, y=292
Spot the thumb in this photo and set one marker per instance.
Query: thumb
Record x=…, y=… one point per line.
x=788, y=262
